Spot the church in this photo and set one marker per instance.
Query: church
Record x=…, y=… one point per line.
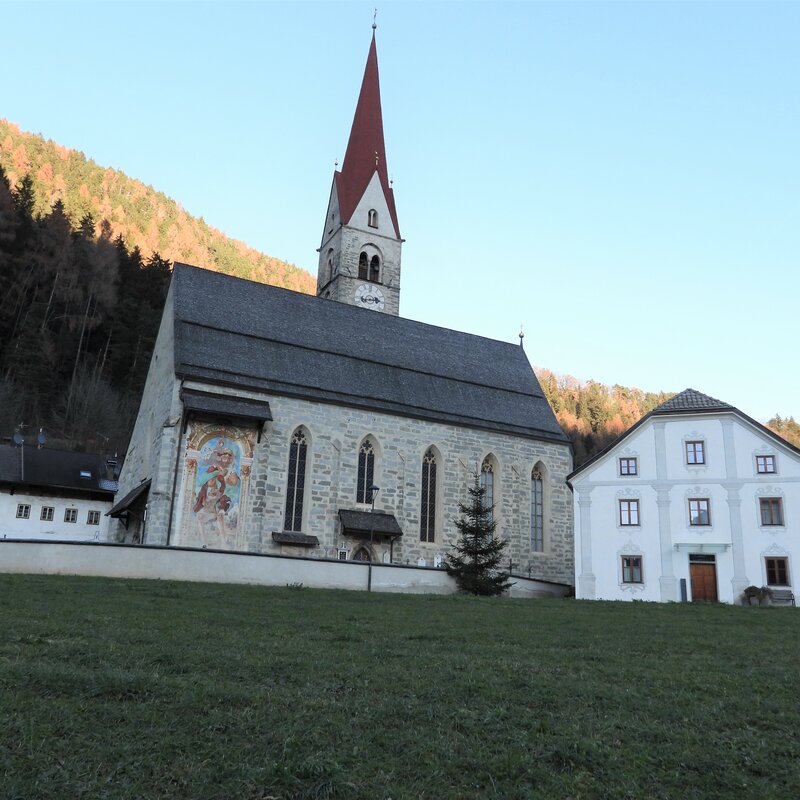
x=330, y=427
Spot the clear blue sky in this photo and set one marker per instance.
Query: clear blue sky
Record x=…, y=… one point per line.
x=621, y=178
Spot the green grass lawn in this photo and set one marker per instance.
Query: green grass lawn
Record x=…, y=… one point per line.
x=138, y=689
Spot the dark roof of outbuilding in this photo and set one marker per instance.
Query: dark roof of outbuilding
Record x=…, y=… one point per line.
x=234, y=332
x=57, y=469
x=689, y=401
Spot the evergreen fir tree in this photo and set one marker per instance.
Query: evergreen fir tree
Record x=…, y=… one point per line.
x=476, y=560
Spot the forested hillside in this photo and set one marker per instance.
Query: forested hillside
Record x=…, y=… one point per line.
x=143, y=217
x=78, y=321
x=85, y=259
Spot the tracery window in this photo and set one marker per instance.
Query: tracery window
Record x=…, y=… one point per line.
x=363, y=267
x=295, y=487
x=427, y=531
x=537, y=510
x=366, y=472
x=487, y=483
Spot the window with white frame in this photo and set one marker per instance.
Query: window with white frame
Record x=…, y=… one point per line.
x=765, y=465
x=23, y=511
x=71, y=515
x=699, y=511
x=771, y=510
x=695, y=452
x=628, y=466
x=632, y=569
x=48, y=512
x=628, y=512
x=777, y=571
x=93, y=518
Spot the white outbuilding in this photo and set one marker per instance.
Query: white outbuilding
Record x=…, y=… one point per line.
x=696, y=501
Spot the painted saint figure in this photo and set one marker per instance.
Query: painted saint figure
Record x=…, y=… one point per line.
x=214, y=503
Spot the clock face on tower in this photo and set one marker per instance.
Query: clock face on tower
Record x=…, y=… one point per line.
x=370, y=296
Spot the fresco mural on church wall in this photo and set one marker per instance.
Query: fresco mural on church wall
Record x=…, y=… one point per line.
x=216, y=486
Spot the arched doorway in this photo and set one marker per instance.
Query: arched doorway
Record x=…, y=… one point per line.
x=362, y=554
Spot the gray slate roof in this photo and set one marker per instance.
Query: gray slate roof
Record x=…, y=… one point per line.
x=691, y=400
x=242, y=334
x=57, y=469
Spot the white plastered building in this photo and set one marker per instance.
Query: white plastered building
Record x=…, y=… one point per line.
x=696, y=501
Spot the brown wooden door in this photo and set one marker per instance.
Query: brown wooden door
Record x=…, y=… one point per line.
x=704, y=582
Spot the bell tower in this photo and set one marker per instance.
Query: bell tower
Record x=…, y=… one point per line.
x=359, y=256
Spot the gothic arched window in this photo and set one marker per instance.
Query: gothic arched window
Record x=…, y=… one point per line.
x=427, y=528
x=372, y=218
x=537, y=509
x=295, y=486
x=363, y=267
x=366, y=472
x=375, y=269
x=487, y=483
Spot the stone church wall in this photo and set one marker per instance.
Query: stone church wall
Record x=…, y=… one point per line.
x=334, y=434
x=155, y=432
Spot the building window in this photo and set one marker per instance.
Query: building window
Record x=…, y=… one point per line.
x=372, y=218
x=695, y=452
x=537, y=511
x=427, y=531
x=331, y=268
x=23, y=511
x=628, y=512
x=777, y=571
x=375, y=269
x=487, y=484
x=628, y=466
x=48, y=512
x=765, y=465
x=363, y=267
x=699, y=513
x=632, y=569
x=93, y=518
x=366, y=472
x=771, y=510
x=71, y=515
x=295, y=487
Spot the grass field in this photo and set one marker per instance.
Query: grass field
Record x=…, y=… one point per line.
x=135, y=689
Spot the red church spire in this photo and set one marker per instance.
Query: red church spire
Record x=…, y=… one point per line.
x=366, y=151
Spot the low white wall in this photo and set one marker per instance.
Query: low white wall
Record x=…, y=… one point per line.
x=181, y=564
